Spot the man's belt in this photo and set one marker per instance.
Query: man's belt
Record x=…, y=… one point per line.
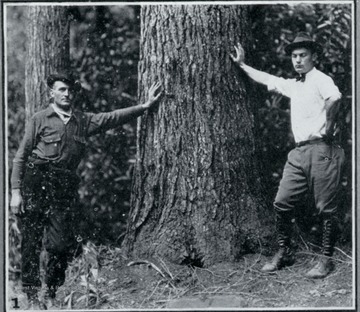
x=314, y=141
x=34, y=160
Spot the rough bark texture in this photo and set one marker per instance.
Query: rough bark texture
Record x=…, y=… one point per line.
x=196, y=195
x=47, y=52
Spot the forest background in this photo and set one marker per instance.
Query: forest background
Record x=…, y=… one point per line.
x=104, y=51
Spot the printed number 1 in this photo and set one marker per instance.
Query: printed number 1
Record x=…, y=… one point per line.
x=16, y=303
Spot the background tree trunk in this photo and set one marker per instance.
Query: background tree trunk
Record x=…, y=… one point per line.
x=196, y=196
x=47, y=52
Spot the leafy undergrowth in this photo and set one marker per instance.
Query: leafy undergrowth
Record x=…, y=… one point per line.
x=102, y=278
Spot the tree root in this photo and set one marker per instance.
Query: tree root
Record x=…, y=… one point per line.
x=149, y=264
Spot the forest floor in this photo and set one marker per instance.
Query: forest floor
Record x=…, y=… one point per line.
x=102, y=278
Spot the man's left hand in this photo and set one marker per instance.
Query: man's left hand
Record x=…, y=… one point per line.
x=332, y=129
x=332, y=109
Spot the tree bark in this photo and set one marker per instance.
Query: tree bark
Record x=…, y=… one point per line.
x=197, y=195
x=47, y=52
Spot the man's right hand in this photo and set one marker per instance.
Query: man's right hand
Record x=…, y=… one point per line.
x=239, y=57
x=16, y=202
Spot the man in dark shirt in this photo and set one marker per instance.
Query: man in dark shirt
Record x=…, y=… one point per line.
x=44, y=183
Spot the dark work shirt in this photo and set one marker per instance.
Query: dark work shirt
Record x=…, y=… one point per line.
x=48, y=138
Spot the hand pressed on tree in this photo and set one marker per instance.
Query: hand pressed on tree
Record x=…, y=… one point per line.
x=152, y=96
x=239, y=57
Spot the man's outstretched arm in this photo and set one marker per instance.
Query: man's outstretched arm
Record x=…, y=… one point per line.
x=254, y=74
x=109, y=120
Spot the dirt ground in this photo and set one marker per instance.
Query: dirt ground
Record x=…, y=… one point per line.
x=102, y=278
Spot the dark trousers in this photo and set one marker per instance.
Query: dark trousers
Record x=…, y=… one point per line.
x=50, y=202
x=314, y=168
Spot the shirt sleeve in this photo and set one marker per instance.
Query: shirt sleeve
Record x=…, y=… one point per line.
x=327, y=88
x=105, y=121
x=22, y=154
x=280, y=85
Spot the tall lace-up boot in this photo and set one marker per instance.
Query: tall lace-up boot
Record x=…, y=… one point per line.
x=284, y=256
x=33, y=301
x=50, y=300
x=325, y=264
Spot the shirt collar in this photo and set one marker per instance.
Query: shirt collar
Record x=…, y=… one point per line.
x=305, y=77
x=50, y=111
x=311, y=72
x=61, y=112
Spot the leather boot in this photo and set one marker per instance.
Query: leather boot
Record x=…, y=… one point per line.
x=50, y=299
x=284, y=257
x=325, y=264
x=322, y=268
x=34, y=303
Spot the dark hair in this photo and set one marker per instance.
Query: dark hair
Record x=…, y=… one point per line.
x=66, y=78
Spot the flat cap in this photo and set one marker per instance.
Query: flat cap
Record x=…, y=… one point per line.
x=66, y=78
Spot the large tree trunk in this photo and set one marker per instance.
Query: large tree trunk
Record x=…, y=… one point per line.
x=196, y=196
x=47, y=52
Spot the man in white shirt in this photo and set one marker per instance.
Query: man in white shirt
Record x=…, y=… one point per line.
x=315, y=164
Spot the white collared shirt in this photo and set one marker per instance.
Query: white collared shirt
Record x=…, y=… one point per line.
x=307, y=102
